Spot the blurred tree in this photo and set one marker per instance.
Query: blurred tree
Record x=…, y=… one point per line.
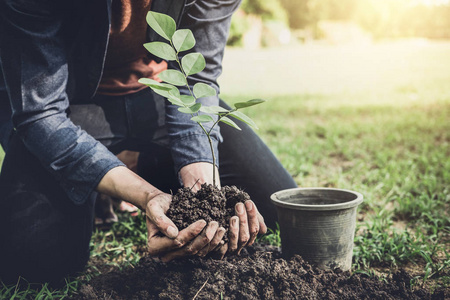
x=383, y=18
x=299, y=13
x=267, y=9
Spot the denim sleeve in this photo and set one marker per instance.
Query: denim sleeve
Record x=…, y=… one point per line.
x=34, y=62
x=209, y=21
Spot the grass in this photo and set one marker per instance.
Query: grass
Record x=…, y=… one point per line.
x=372, y=119
x=395, y=155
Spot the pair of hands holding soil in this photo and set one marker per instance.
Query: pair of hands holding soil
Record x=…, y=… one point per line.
x=199, y=238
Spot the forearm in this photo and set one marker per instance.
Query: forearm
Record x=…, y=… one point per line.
x=122, y=183
x=35, y=64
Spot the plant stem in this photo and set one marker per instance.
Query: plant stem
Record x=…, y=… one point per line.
x=212, y=150
x=203, y=128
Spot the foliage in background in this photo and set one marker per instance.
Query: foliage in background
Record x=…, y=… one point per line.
x=267, y=11
x=240, y=24
x=382, y=18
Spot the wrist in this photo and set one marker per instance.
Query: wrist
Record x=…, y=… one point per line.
x=196, y=174
x=124, y=184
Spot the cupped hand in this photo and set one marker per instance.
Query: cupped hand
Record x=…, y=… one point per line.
x=197, y=239
x=244, y=227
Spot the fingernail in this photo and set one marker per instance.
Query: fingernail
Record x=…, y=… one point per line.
x=233, y=221
x=172, y=232
x=249, y=205
x=240, y=208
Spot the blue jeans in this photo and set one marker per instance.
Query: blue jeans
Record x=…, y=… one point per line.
x=45, y=236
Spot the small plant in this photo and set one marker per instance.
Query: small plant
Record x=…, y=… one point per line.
x=192, y=63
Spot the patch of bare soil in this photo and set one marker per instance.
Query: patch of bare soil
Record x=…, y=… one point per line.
x=258, y=273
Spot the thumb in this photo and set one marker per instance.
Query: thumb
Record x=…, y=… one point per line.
x=155, y=213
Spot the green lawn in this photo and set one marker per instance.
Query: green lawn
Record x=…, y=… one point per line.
x=374, y=119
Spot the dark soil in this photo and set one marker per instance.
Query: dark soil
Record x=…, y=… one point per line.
x=209, y=204
x=258, y=273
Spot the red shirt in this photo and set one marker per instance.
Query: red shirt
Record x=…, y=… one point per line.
x=126, y=58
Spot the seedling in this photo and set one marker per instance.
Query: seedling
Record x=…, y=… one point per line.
x=192, y=63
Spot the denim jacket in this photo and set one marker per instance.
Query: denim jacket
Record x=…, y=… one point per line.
x=52, y=55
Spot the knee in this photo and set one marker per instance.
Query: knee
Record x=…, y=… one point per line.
x=35, y=241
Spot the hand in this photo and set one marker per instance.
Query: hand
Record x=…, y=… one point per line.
x=122, y=183
x=196, y=239
x=244, y=227
x=196, y=174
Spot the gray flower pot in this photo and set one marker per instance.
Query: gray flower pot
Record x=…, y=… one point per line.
x=319, y=224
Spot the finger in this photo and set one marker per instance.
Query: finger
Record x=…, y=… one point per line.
x=253, y=222
x=214, y=242
x=244, y=234
x=158, y=217
x=233, y=234
x=213, y=229
x=223, y=250
x=158, y=244
x=195, y=245
x=221, y=243
x=262, y=224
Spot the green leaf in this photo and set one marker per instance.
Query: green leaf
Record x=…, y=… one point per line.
x=174, y=77
x=175, y=102
x=166, y=90
x=163, y=24
x=183, y=40
x=213, y=109
x=203, y=90
x=248, y=103
x=190, y=110
x=244, y=118
x=230, y=122
x=153, y=84
x=187, y=100
x=162, y=50
x=202, y=119
x=193, y=63
x=174, y=94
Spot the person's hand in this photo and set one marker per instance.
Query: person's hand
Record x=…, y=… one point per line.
x=244, y=227
x=196, y=174
x=197, y=239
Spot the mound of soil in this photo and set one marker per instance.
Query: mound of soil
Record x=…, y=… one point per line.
x=209, y=204
x=258, y=273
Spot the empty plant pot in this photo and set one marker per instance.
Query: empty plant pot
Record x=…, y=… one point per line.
x=318, y=224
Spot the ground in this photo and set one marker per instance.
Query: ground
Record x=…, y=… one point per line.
x=371, y=118
x=259, y=272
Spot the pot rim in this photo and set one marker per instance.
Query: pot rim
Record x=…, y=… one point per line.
x=275, y=198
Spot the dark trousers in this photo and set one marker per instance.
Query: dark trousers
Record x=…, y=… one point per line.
x=44, y=236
